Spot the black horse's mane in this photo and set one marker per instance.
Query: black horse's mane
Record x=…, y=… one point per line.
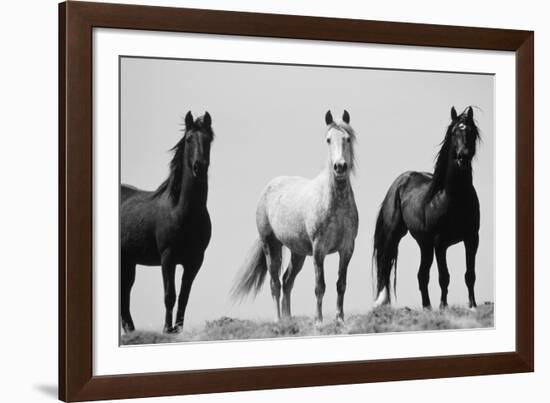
x=173, y=183
x=442, y=158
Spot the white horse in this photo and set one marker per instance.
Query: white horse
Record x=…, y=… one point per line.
x=313, y=217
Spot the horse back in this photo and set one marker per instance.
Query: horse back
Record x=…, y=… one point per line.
x=127, y=191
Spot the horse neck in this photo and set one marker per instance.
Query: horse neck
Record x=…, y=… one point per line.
x=338, y=191
x=193, y=193
x=457, y=181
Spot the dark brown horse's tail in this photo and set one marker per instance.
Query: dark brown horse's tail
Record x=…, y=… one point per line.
x=252, y=274
x=387, y=234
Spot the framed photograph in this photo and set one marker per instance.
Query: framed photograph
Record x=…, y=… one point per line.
x=252, y=201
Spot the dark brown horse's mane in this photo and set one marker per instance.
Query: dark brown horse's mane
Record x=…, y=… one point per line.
x=442, y=158
x=173, y=183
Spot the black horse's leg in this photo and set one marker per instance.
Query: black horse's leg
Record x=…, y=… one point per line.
x=168, y=281
x=273, y=254
x=320, y=286
x=127, y=278
x=190, y=270
x=471, y=245
x=345, y=257
x=294, y=266
x=441, y=257
x=427, y=253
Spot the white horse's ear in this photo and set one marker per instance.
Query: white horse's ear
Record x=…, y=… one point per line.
x=189, y=120
x=345, y=117
x=453, y=113
x=470, y=113
x=328, y=118
x=207, y=119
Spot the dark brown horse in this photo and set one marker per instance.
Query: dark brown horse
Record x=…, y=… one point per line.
x=169, y=226
x=439, y=210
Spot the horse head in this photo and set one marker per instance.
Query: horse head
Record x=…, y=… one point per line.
x=463, y=136
x=197, y=139
x=340, y=138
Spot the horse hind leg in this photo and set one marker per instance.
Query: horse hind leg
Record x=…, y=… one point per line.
x=386, y=259
x=389, y=230
x=273, y=254
x=127, y=278
x=294, y=267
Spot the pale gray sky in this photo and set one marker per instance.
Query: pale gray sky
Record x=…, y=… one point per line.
x=269, y=121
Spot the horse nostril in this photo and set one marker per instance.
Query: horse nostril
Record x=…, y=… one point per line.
x=340, y=167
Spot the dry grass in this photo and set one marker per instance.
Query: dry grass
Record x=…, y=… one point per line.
x=379, y=320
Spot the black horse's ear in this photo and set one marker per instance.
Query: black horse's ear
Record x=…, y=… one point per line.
x=345, y=117
x=328, y=118
x=189, y=120
x=207, y=120
x=470, y=113
x=453, y=113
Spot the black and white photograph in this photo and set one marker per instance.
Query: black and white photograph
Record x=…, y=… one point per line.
x=275, y=201
x=262, y=200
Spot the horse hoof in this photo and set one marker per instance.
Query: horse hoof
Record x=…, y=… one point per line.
x=177, y=329
x=340, y=319
x=167, y=329
x=382, y=299
x=427, y=308
x=443, y=306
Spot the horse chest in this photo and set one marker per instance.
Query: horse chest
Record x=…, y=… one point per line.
x=334, y=227
x=455, y=223
x=186, y=236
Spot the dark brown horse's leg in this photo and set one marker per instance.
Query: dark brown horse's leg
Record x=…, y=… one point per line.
x=294, y=266
x=471, y=245
x=345, y=257
x=441, y=257
x=190, y=270
x=427, y=253
x=168, y=281
x=127, y=278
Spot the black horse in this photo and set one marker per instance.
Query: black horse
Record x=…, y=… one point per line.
x=439, y=210
x=169, y=226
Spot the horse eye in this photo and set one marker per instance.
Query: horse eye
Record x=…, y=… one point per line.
x=348, y=139
x=328, y=141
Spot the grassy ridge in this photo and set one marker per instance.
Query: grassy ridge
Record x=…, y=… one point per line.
x=379, y=320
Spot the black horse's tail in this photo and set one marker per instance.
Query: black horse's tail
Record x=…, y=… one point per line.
x=387, y=234
x=252, y=274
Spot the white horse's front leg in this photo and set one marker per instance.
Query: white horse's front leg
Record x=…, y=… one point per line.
x=318, y=261
x=345, y=257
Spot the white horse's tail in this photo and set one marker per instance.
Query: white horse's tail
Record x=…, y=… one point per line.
x=252, y=273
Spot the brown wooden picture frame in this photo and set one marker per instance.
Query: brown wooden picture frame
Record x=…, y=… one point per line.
x=76, y=23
